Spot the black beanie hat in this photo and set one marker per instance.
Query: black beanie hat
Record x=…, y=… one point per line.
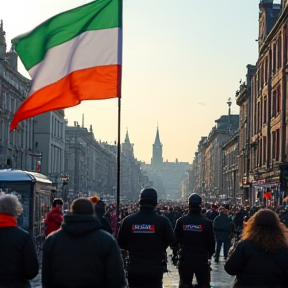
x=148, y=197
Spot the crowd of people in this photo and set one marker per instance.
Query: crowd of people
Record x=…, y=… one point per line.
x=88, y=246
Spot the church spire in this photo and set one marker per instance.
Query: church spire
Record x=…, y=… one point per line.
x=127, y=147
x=157, y=138
x=127, y=140
x=157, y=158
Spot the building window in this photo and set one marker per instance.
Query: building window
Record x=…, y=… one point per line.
x=262, y=75
x=274, y=103
x=259, y=115
x=52, y=122
x=264, y=149
x=273, y=145
x=278, y=108
x=265, y=111
x=279, y=56
x=277, y=146
x=260, y=153
x=274, y=59
x=266, y=70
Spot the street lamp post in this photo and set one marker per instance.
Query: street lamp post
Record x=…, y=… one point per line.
x=65, y=179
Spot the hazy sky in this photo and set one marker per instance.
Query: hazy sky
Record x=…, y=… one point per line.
x=182, y=60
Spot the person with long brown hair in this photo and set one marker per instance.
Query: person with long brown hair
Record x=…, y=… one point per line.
x=261, y=257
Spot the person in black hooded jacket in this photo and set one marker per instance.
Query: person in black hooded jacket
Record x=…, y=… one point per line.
x=18, y=258
x=81, y=254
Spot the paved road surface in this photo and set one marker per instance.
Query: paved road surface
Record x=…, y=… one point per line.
x=220, y=279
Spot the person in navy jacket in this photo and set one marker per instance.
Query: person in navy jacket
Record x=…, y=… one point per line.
x=195, y=238
x=146, y=236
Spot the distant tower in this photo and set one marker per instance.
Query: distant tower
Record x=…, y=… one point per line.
x=157, y=159
x=229, y=102
x=2, y=42
x=127, y=147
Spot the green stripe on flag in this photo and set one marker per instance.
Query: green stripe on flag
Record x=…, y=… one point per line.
x=99, y=14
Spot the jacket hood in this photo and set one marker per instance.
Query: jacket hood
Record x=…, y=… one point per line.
x=76, y=224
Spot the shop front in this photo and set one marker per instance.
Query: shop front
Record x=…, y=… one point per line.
x=267, y=194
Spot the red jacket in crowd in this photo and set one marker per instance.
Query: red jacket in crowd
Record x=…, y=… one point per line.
x=53, y=220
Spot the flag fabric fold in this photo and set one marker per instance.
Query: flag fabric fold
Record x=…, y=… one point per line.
x=73, y=56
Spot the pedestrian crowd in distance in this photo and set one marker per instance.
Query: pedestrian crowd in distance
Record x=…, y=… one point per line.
x=89, y=247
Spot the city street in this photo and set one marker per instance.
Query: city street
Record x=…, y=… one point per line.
x=220, y=279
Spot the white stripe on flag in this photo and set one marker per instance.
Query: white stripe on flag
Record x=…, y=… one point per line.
x=89, y=49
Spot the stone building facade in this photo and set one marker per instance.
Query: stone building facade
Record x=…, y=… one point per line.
x=225, y=126
x=215, y=168
x=90, y=167
x=243, y=100
x=269, y=161
x=16, y=147
x=49, y=140
x=230, y=151
x=132, y=178
x=263, y=128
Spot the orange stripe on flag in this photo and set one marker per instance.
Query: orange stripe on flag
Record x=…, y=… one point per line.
x=95, y=83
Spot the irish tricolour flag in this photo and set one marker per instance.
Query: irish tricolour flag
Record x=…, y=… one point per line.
x=73, y=56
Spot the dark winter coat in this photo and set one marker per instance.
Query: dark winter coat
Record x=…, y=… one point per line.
x=100, y=212
x=222, y=226
x=53, y=220
x=146, y=235
x=254, y=267
x=195, y=235
x=82, y=255
x=18, y=259
x=239, y=218
x=211, y=215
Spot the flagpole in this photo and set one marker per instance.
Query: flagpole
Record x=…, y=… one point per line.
x=118, y=161
x=120, y=2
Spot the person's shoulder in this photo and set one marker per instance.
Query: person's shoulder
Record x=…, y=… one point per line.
x=54, y=234
x=182, y=218
x=103, y=233
x=20, y=231
x=246, y=244
x=55, y=210
x=104, y=237
x=129, y=217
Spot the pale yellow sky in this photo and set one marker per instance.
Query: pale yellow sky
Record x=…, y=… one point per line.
x=182, y=60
